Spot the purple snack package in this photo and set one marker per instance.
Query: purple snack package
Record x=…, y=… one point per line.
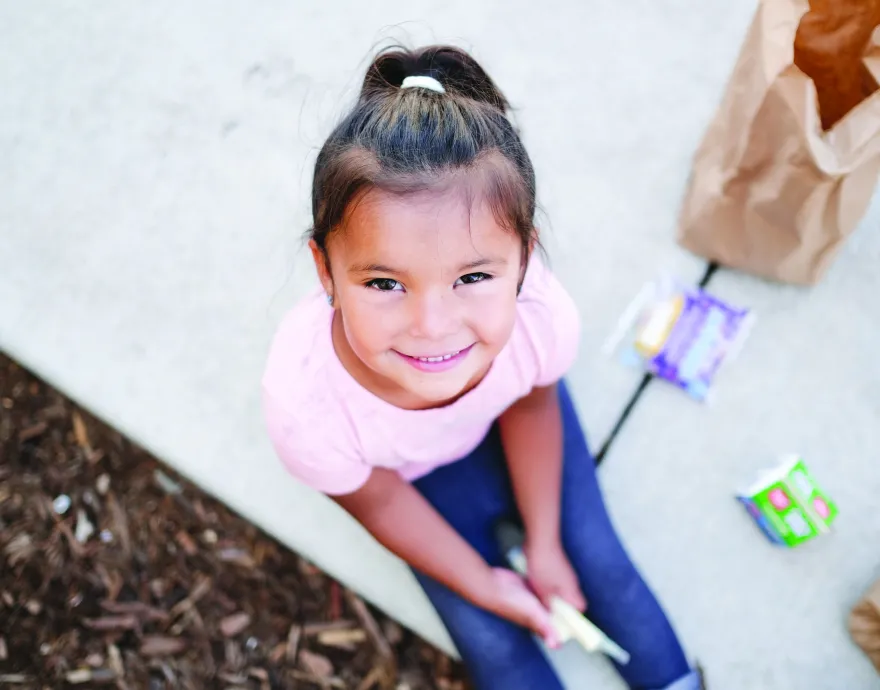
x=683, y=335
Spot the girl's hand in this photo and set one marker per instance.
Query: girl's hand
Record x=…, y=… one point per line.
x=512, y=599
x=551, y=574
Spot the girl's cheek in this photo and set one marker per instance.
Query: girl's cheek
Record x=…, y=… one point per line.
x=494, y=326
x=377, y=323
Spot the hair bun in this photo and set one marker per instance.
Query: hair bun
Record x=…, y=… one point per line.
x=459, y=74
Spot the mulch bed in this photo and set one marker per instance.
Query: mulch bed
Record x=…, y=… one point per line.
x=114, y=571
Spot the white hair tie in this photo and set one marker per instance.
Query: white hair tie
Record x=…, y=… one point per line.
x=424, y=82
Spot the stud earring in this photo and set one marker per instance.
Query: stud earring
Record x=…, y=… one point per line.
x=329, y=299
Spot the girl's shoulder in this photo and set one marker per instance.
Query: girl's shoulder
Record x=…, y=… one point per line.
x=548, y=325
x=300, y=352
x=304, y=409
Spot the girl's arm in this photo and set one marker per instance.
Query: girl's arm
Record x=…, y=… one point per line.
x=531, y=433
x=405, y=523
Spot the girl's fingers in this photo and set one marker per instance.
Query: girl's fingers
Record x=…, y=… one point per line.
x=546, y=628
x=551, y=638
x=530, y=611
x=573, y=596
x=543, y=626
x=579, y=601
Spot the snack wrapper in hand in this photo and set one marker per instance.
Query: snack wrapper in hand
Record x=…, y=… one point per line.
x=568, y=621
x=680, y=334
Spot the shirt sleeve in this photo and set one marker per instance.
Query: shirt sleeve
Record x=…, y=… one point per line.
x=551, y=322
x=312, y=450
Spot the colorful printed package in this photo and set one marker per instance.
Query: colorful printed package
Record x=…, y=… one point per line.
x=681, y=334
x=788, y=505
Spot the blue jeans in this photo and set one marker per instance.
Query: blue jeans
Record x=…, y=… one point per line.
x=472, y=494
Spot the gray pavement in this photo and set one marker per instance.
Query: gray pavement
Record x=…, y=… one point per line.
x=807, y=381
x=153, y=193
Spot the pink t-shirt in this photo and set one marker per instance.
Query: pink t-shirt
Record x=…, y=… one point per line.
x=330, y=431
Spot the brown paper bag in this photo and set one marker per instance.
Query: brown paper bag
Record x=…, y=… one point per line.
x=772, y=192
x=829, y=47
x=864, y=624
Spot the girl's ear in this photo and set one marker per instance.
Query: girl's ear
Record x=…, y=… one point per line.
x=526, y=255
x=322, y=266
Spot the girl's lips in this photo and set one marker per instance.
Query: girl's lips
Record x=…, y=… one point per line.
x=436, y=364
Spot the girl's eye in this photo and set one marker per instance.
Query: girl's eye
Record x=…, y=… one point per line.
x=385, y=285
x=471, y=278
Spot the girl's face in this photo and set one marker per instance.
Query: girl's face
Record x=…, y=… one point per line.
x=425, y=292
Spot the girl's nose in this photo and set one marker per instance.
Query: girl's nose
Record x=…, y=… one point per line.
x=432, y=317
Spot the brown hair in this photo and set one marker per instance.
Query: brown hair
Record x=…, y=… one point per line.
x=405, y=140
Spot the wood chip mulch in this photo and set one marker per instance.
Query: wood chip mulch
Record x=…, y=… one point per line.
x=114, y=571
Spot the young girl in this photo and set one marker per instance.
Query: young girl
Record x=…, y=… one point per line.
x=420, y=385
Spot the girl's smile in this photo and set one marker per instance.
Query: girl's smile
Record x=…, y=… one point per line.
x=436, y=363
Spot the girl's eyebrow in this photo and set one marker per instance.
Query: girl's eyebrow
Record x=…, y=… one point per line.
x=372, y=268
x=382, y=268
x=482, y=261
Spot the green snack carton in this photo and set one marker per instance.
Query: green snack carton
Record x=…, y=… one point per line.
x=788, y=505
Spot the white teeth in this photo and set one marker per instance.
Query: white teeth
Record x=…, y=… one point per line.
x=438, y=359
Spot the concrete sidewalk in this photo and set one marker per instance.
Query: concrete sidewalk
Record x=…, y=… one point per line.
x=807, y=381
x=155, y=186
